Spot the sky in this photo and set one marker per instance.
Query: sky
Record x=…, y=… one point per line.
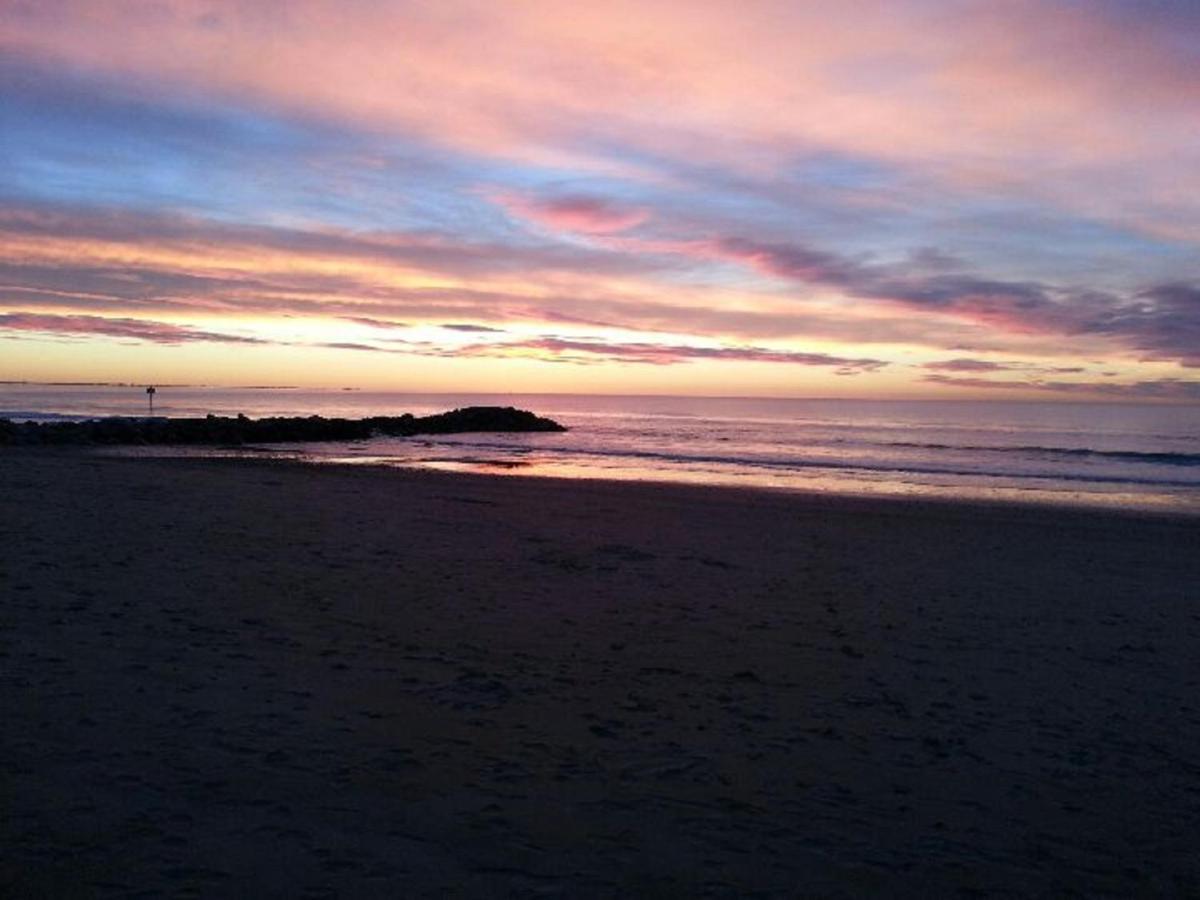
x=911, y=198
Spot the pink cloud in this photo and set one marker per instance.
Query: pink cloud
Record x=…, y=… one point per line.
x=979, y=94
x=471, y=328
x=1153, y=389
x=1159, y=321
x=588, y=215
x=666, y=354
x=904, y=302
x=986, y=365
x=969, y=365
x=372, y=322
x=136, y=329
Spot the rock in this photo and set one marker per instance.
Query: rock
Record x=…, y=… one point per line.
x=238, y=430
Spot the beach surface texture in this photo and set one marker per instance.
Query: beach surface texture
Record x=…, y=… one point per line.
x=233, y=678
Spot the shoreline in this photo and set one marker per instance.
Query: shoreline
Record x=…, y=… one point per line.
x=887, y=448
x=1019, y=498
x=256, y=677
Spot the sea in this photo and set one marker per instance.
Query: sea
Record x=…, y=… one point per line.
x=1144, y=457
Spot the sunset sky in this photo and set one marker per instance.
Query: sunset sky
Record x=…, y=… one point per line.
x=861, y=199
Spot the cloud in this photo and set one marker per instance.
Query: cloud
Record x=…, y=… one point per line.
x=99, y=228
x=574, y=212
x=938, y=88
x=472, y=328
x=791, y=260
x=137, y=329
x=963, y=364
x=975, y=382
x=349, y=345
x=137, y=263
x=1015, y=304
x=727, y=177
x=664, y=354
x=660, y=183
x=1157, y=389
x=371, y=322
x=1162, y=321
x=968, y=365
x=1159, y=321
x=142, y=264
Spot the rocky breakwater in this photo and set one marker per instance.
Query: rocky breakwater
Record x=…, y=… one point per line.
x=235, y=430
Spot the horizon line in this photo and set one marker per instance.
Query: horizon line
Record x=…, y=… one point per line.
x=1052, y=400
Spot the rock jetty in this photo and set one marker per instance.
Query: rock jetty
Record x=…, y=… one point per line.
x=235, y=430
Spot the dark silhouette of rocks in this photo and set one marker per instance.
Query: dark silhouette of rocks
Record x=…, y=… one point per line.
x=226, y=430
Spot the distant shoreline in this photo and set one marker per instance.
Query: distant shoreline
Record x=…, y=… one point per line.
x=982, y=402
x=143, y=384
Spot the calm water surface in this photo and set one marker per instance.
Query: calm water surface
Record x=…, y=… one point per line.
x=1136, y=456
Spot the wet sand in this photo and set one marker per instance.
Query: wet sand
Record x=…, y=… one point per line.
x=230, y=678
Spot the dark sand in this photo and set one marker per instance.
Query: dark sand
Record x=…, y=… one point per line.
x=243, y=679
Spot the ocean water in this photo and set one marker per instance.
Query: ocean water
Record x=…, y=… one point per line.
x=1114, y=455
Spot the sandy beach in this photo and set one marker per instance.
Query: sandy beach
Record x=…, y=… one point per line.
x=229, y=678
